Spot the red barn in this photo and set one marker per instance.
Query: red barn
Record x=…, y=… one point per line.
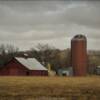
x=23, y=67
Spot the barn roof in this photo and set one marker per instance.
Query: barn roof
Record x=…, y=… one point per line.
x=30, y=63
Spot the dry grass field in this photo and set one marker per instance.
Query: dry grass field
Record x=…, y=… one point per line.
x=50, y=88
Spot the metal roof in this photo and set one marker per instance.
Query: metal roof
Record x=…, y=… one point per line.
x=79, y=37
x=30, y=63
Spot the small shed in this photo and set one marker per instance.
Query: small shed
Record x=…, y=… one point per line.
x=65, y=71
x=23, y=67
x=98, y=70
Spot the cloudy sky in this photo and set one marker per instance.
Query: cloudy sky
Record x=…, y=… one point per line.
x=27, y=23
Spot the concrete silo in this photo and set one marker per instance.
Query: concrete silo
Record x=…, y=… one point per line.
x=79, y=55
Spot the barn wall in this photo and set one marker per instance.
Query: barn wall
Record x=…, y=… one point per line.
x=38, y=73
x=13, y=68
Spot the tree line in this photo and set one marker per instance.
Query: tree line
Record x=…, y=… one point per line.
x=47, y=54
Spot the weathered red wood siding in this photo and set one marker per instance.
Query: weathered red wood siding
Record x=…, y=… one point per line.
x=14, y=68
x=38, y=73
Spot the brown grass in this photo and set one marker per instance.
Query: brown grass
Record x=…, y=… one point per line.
x=50, y=88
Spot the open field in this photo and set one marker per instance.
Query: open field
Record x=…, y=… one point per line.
x=50, y=88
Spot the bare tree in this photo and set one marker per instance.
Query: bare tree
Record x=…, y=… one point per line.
x=2, y=49
x=44, y=47
x=8, y=49
x=11, y=49
x=43, y=53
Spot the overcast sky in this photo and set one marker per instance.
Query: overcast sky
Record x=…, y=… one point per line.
x=27, y=23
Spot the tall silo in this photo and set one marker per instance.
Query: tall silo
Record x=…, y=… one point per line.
x=79, y=55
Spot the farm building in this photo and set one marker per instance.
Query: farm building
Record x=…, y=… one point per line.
x=97, y=70
x=23, y=67
x=65, y=71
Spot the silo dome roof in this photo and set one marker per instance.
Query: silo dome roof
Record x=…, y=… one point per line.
x=79, y=37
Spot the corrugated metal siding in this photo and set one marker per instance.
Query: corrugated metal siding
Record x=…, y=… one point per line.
x=31, y=63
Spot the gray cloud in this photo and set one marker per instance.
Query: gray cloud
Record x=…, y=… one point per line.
x=45, y=21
